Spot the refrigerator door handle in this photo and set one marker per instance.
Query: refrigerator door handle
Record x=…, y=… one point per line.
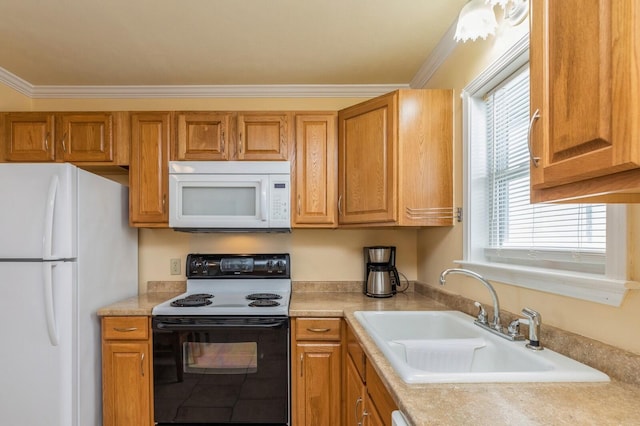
x=47, y=238
x=49, y=309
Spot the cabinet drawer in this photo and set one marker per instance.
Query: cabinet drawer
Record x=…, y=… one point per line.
x=125, y=328
x=318, y=328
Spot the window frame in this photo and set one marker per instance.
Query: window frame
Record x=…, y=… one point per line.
x=609, y=288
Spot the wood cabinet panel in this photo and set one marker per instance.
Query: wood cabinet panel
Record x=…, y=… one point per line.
x=318, y=382
x=125, y=328
x=126, y=377
x=367, y=162
x=86, y=137
x=82, y=138
x=149, y=171
x=584, y=111
x=314, y=194
x=203, y=136
x=316, y=371
x=263, y=136
x=395, y=165
x=379, y=395
x=318, y=328
x=354, y=394
x=29, y=137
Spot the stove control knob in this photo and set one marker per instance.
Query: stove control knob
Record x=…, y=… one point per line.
x=196, y=265
x=280, y=265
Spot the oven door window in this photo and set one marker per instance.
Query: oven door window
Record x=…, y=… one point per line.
x=220, y=358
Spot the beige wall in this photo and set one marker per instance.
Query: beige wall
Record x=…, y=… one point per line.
x=316, y=255
x=438, y=248
x=11, y=100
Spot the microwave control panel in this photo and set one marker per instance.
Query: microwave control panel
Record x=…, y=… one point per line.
x=280, y=199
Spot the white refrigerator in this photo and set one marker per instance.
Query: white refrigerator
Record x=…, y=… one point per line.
x=65, y=250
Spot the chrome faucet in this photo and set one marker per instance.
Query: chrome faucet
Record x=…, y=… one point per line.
x=495, y=324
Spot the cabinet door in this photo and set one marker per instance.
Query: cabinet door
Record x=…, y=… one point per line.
x=366, y=162
x=373, y=417
x=149, y=170
x=355, y=393
x=425, y=157
x=86, y=137
x=583, y=87
x=263, y=136
x=316, y=171
x=29, y=137
x=203, y=136
x=317, y=384
x=126, y=383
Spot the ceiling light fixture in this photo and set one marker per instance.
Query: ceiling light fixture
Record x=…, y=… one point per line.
x=477, y=19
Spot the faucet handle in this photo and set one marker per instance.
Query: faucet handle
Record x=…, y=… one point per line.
x=514, y=328
x=482, y=314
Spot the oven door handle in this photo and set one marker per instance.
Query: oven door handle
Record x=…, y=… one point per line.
x=203, y=326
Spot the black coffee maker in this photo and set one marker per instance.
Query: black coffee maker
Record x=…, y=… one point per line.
x=381, y=277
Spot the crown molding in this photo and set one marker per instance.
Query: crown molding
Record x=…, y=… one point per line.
x=440, y=53
x=15, y=82
x=198, y=91
x=218, y=91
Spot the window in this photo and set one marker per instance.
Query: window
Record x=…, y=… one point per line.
x=569, y=249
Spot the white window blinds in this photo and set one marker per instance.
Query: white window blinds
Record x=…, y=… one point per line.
x=558, y=236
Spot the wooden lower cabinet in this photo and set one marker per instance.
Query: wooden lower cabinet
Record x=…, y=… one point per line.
x=366, y=400
x=316, y=371
x=127, y=382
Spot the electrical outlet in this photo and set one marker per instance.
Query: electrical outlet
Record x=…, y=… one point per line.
x=175, y=266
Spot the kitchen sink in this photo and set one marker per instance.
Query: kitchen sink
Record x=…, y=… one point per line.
x=447, y=347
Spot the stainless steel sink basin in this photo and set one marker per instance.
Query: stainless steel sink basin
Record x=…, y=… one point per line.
x=446, y=347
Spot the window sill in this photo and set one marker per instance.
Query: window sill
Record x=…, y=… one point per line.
x=594, y=288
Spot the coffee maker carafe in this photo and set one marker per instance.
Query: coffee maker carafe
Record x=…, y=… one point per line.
x=381, y=277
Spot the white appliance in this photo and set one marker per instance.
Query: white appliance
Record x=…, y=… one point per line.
x=229, y=336
x=397, y=419
x=230, y=196
x=65, y=250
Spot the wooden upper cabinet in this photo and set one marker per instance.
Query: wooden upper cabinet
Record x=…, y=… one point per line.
x=263, y=136
x=29, y=136
x=395, y=160
x=316, y=179
x=367, y=149
x=203, y=136
x=83, y=138
x=149, y=170
x=584, y=99
x=86, y=137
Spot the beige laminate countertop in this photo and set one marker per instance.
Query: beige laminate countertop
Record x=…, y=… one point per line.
x=614, y=403
x=519, y=404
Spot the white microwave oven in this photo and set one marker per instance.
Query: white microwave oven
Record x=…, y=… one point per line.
x=230, y=196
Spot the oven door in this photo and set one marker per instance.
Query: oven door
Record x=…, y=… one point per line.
x=221, y=370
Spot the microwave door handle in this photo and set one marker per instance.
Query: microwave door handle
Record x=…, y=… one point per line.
x=263, y=204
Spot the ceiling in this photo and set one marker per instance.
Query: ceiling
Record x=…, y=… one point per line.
x=220, y=42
